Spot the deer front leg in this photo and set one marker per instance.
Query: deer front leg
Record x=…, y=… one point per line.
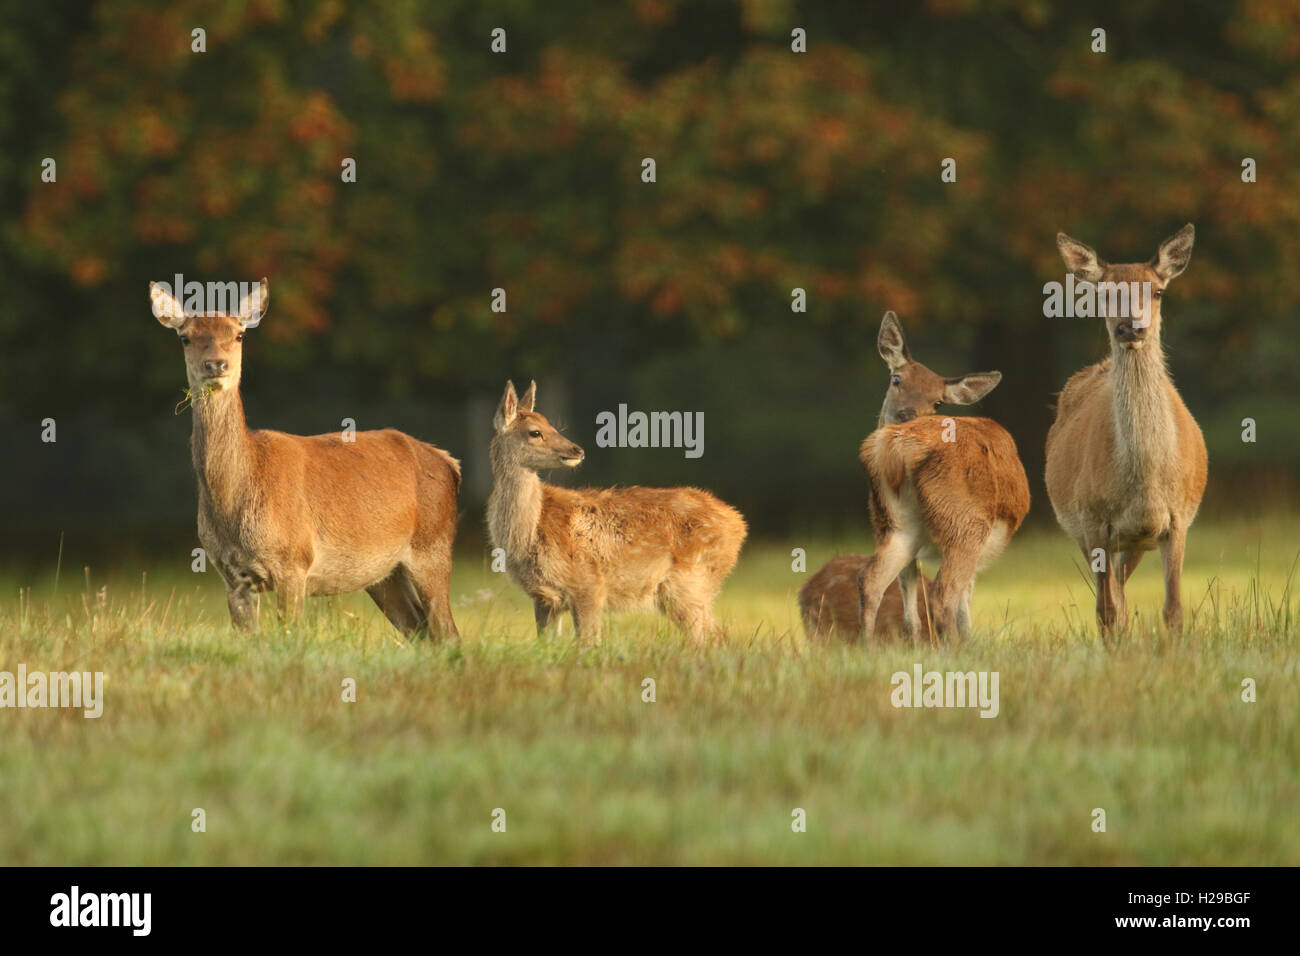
x=1171, y=554
x=963, y=610
x=892, y=555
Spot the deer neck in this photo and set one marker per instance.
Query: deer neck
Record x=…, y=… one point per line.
x=1142, y=412
x=219, y=446
x=515, y=505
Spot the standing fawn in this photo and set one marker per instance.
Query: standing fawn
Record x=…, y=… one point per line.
x=589, y=548
x=310, y=515
x=952, y=488
x=1126, y=463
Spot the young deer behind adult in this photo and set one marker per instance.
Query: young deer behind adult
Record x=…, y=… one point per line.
x=310, y=515
x=951, y=488
x=1126, y=462
x=586, y=549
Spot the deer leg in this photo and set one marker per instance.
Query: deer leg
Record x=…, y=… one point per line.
x=907, y=587
x=290, y=594
x=242, y=598
x=1104, y=581
x=1126, y=563
x=1171, y=554
x=892, y=555
x=547, y=616
x=429, y=581
x=688, y=606
x=394, y=599
x=963, y=610
x=955, y=578
x=244, y=604
x=587, y=607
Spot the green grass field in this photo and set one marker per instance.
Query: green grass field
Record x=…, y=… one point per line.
x=253, y=729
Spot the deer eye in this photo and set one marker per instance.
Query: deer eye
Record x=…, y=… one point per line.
x=895, y=381
x=938, y=403
x=534, y=433
x=239, y=336
x=1159, y=293
x=185, y=340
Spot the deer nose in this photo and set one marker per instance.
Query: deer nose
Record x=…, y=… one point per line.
x=1126, y=331
x=904, y=415
x=216, y=366
x=575, y=452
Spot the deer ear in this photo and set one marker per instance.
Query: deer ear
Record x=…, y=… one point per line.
x=969, y=389
x=1080, y=259
x=530, y=397
x=508, y=410
x=254, y=305
x=166, y=308
x=891, y=344
x=1174, y=253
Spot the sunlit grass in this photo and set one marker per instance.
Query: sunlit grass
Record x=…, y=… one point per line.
x=253, y=729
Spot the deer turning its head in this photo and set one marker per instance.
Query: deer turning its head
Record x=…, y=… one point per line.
x=913, y=389
x=954, y=488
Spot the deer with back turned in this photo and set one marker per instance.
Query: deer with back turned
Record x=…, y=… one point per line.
x=939, y=487
x=310, y=515
x=587, y=549
x=1126, y=462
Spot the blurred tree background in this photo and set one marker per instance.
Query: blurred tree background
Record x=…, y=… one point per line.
x=522, y=170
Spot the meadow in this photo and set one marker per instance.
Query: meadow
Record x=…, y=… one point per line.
x=254, y=730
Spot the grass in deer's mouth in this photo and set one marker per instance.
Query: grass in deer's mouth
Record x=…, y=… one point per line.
x=253, y=729
x=191, y=396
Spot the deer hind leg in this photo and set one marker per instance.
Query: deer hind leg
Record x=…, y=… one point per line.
x=245, y=604
x=688, y=603
x=1104, y=582
x=428, y=575
x=242, y=597
x=290, y=596
x=952, y=588
x=907, y=587
x=1126, y=563
x=587, y=607
x=394, y=597
x=1171, y=555
x=548, y=615
x=895, y=552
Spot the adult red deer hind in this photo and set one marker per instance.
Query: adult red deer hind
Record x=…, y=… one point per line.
x=1126, y=462
x=587, y=549
x=302, y=515
x=951, y=488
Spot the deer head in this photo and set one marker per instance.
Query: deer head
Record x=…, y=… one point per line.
x=527, y=437
x=913, y=389
x=213, y=341
x=1140, y=323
